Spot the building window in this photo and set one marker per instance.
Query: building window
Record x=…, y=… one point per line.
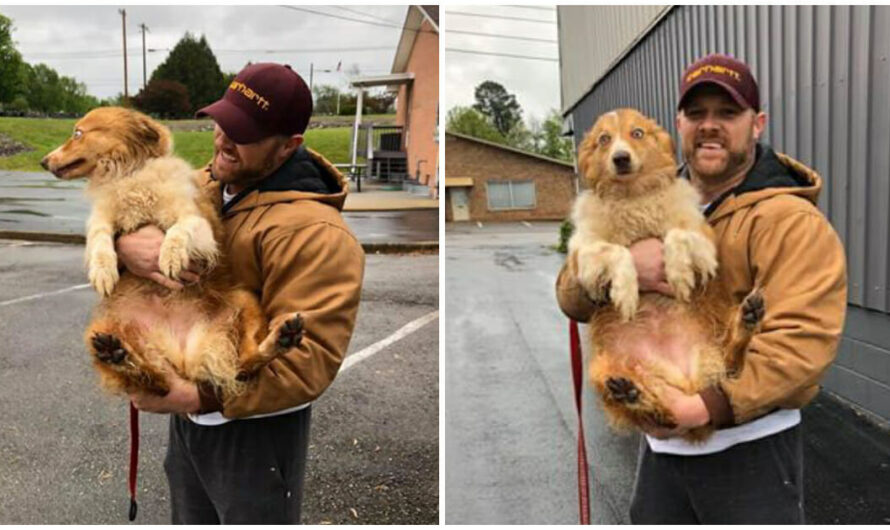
x=511, y=194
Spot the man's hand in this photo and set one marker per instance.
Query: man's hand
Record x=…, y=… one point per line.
x=182, y=398
x=688, y=411
x=648, y=255
x=139, y=252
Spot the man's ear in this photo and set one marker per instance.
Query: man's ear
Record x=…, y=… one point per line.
x=293, y=143
x=759, y=124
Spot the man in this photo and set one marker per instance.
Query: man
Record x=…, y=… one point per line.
x=286, y=241
x=770, y=234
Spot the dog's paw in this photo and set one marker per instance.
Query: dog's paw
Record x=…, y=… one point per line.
x=624, y=291
x=622, y=390
x=174, y=256
x=103, y=272
x=290, y=333
x=108, y=348
x=753, y=310
x=592, y=272
x=678, y=266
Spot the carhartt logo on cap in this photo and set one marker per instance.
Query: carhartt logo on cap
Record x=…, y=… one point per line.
x=248, y=92
x=725, y=71
x=714, y=69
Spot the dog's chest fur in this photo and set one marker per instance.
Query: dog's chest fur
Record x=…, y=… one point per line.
x=627, y=220
x=150, y=195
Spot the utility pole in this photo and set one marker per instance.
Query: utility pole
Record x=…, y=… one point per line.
x=123, y=13
x=144, y=76
x=311, y=71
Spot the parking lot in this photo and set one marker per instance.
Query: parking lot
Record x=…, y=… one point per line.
x=510, y=423
x=64, y=445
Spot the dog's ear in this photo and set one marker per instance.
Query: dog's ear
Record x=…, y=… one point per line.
x=156, y=138
x=664, y=140
x=585, y=153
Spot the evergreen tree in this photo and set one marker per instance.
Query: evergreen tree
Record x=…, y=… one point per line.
x=192, y=63
x=10, y=64
x=493, y=100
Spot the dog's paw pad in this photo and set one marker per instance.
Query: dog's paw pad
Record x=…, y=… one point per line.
x=109, y=348
x=753, y=309
x=290, y=333
x=622, y=390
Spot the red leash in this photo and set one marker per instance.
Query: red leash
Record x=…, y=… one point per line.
x=578, y=379
x=134, y=458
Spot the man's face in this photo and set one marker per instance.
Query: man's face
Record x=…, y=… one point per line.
x=717, y=136
x=244, y=164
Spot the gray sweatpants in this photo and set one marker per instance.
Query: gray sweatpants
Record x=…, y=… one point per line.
x=758, y=482
x=241, y=472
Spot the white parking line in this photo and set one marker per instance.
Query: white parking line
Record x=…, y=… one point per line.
x=405, y=330
x=44, y=295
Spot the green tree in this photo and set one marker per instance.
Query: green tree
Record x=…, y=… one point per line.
x=325, y=99
x=164, y=99
x=192, y=63
x=493, y=100
x=10, y=64
x=549, y=140
x=471, y=122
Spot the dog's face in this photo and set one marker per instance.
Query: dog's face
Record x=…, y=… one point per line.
x=626, y=154
x=109, y=141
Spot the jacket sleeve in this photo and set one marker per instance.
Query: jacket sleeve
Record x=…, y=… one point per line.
x=571, y=296
x=316, y=271
x=798, y=262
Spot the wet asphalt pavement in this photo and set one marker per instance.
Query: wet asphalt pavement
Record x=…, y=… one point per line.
x=39, y=202
x=510, y=423
x=373, y=456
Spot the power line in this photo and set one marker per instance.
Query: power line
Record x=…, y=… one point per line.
x=514, y=56
x=341, y=17
x=532, y=39
x=357, y=12
x=501, y=17
x=550, y=9
x=119, y=54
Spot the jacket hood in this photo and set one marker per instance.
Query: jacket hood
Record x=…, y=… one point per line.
x=773, y=174
x=306, y=175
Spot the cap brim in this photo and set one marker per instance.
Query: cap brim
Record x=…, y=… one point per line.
x=237, y=125
x=732, y=92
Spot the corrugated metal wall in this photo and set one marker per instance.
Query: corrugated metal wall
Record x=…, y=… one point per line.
x=824, y=76
x=603, y=33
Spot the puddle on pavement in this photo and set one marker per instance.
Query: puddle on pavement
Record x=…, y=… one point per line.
x=27, y=212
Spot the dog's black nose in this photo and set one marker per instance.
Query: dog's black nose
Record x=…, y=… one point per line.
x=621, y=159
x=44, y=163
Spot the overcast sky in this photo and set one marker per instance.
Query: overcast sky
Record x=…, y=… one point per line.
x=535, y=83
x=84, y=42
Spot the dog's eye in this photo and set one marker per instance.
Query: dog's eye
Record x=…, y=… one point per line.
x=77, y=133
x=604, y=139
x=637, y=133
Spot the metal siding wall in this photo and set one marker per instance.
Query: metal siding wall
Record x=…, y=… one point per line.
x=591, y=38
x=824, y=76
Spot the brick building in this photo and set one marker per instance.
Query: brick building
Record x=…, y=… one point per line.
x=485, y=181
x=417, y=108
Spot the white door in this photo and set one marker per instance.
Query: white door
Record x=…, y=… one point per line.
x=460, y=208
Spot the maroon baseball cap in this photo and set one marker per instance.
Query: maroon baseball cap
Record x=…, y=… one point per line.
x=264, y=99
x=729, y=73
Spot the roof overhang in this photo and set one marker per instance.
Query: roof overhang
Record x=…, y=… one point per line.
x=413, y=22
x=458, y=182
x=368, y=81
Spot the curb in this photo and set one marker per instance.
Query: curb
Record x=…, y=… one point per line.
x=421, y=247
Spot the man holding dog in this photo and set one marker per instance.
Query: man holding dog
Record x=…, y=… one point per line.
x=770, y=234
x=243, y=461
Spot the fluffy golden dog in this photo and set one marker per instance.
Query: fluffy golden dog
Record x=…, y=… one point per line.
x=211, y=331
x=645, y=342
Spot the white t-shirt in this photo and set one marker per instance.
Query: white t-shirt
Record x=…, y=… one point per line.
x=723, y=439
x=212, y=419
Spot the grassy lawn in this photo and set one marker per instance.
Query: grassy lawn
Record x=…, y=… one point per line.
x=44, y=135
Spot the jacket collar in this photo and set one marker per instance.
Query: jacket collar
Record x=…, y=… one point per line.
x=306, y=175
x=772, y=174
